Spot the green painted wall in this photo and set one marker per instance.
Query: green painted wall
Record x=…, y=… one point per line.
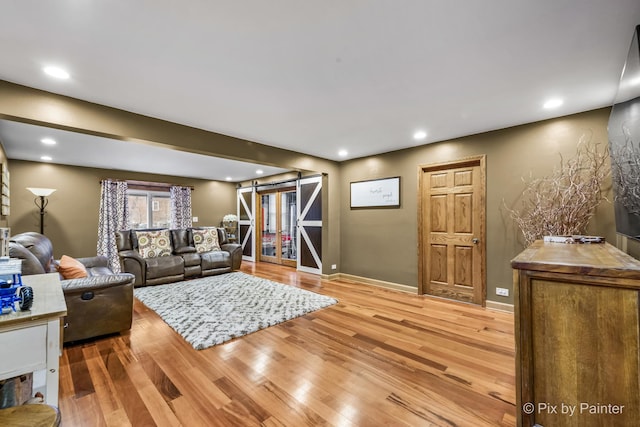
x=377, y=244
x=71, y=221
x=29, y=105
x=382, y=243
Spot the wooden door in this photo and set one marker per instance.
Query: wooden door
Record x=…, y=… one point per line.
x=452, y=230
x=277, y=224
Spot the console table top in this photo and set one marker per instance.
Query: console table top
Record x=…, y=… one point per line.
x=48, y=300
x=593, y=259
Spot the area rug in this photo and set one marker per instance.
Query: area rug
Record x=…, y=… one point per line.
x=212, y=310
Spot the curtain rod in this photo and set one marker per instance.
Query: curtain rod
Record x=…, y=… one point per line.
x=146, y=183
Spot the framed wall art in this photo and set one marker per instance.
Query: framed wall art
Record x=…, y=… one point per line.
x=376, y=193
x=5, y=192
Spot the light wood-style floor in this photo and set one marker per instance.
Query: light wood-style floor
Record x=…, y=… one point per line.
x=377, y=358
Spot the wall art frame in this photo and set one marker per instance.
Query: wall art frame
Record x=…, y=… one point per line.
x=5, y=191
x=376, y=193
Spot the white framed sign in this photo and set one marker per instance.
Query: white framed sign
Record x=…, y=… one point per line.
x=376, y=193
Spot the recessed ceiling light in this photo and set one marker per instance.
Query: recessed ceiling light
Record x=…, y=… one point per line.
x=46, y=158
x=56, y=72
x=228, y=178
x=553, y=103
x=259, y=171
x=419, y=135
x=343, y=153
x=48, y=141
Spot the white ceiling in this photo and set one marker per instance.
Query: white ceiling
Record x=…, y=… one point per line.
x=317, y=77
x=23, y=141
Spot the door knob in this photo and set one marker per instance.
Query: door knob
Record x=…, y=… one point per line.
x=475, y=240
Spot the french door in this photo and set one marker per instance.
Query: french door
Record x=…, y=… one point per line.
x=277, y=222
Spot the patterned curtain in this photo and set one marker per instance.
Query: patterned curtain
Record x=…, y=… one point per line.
x=180, y=207
x=114, y=216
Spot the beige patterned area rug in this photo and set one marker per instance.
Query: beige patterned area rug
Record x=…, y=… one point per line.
x=212, y=310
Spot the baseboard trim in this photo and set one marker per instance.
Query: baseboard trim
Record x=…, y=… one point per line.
x=492, y=305
x=500, y=306
x=379, y=283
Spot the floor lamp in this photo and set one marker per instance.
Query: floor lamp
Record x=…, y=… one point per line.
x=41, y=202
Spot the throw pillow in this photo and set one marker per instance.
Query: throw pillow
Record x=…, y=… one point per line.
x=153, y=244
x=206, y=239
x=71, y=268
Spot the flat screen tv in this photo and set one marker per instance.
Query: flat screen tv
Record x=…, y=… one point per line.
x=624, y=144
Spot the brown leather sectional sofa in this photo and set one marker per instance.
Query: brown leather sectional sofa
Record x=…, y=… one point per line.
x=99, y=304
x=183, y=262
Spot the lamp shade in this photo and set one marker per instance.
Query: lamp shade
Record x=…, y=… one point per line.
x=44, y=192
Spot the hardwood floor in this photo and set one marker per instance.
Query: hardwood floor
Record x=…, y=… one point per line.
x=378, y=357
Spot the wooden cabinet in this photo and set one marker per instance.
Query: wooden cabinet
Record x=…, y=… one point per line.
x=30, y=340
x=577, y=335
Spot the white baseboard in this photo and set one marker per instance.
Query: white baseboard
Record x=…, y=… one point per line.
x=500, y=306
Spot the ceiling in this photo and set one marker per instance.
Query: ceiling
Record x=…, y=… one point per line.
x=23, y=141
x=313, y=77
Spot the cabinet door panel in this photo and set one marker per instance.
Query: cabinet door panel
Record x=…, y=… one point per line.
x=585, y=352
x=23, y=350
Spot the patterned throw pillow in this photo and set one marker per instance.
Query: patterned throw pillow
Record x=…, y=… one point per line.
x=152, y=244
x=206, y=239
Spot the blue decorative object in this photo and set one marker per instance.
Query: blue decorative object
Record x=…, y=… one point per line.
x=11, y=289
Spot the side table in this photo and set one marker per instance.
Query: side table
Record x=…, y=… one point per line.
x=30, y=341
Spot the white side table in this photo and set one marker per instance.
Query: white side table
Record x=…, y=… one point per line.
x=30, y=341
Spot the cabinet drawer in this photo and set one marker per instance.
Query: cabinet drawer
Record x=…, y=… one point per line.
x=23, y=350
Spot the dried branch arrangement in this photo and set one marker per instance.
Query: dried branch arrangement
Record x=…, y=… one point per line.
x=625, y=171
x=563, y=203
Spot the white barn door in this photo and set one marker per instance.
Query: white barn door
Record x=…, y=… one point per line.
x=310, y=224
x=246, y=222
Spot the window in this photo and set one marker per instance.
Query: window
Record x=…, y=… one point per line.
x=149, y=209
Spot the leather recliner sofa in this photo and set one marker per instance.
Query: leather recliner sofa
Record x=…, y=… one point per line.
x=99, y=304
x=184, y=261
